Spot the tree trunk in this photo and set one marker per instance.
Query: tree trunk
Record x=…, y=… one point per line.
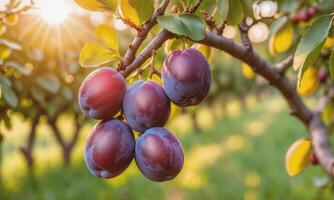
x=27, y=150
x=196, y=126
x=67, y=155
x=243, y=100
x=67, y=147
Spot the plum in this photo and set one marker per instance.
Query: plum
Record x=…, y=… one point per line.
x=109, y=148
x=186, y=77
x=312, y=11
x=101, y=94
x=146, y=105
x=304, y=16
x=159, y=154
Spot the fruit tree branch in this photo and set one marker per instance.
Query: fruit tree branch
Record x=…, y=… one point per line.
x=311, y=120
x=141, y=36
x=284, y=65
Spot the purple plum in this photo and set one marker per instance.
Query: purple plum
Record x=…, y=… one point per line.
x=101, y=94
x=159, y=154
x=186, y=77
x=109, y=148
x=146, y=105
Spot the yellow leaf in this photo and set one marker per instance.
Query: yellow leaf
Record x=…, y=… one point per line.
x=329, y=43
x=92, y=5
x=12, y=19
x=327, y=113
x=248, y=71
x=282, y=40
x=5, y=52
x=205, y=50
x=128, y=12
x=156, y=79
x=94, y=55
x=173, y=44
x=297, y=156
x=107, y=35
x=309, y=83
x=3, y=29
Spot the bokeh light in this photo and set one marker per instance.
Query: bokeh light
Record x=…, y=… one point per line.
x=54, y=11
x=258, y=32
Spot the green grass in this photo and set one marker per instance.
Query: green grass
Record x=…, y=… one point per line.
x=238, y=157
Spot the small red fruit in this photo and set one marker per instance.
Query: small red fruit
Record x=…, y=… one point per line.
x=311, y=11
x=322, y=74
x=304, y=16
x=313, y=159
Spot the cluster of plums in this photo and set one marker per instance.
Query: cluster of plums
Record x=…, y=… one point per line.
x=305, y=15
x=111, y=145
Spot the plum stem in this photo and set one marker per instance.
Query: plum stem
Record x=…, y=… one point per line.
x=153, y=70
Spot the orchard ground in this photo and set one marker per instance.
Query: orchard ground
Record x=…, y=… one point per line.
x=240, y=156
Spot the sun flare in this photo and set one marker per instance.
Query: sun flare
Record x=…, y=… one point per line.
x=54, y=11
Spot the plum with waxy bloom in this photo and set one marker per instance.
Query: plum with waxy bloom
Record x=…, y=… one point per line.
x=101, y=94
x=186, y=77
x=109, y=148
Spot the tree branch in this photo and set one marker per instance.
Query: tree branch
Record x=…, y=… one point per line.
x=155, y=44
x=244, y=35
x=27, y=150
x=284, y=65
x=195, y=6
x=312, y=121
x=141, y=36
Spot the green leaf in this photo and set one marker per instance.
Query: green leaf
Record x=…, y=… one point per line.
x=310, y=59
x=49, y=82
x=20, y=68
x=94, y=55
x=311, y=43
x=187, y=25
x=38, y=95
x=231, y=10
x=4, y=81
x=144, y=9
x=287, y=5
x=247, y=6
x=278, y=24
x=67, y=93
x=331, y=65
x=108, y=36
x=10, y=96
x=223, y=7
x=235, y=13
x=312, y=38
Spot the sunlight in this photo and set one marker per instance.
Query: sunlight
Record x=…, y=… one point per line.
x=54, y=11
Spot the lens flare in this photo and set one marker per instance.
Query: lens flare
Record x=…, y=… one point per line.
x=54, y=11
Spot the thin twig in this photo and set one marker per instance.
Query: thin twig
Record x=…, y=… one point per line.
x=153, y=70
x=141, y=35
x=284, y=65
